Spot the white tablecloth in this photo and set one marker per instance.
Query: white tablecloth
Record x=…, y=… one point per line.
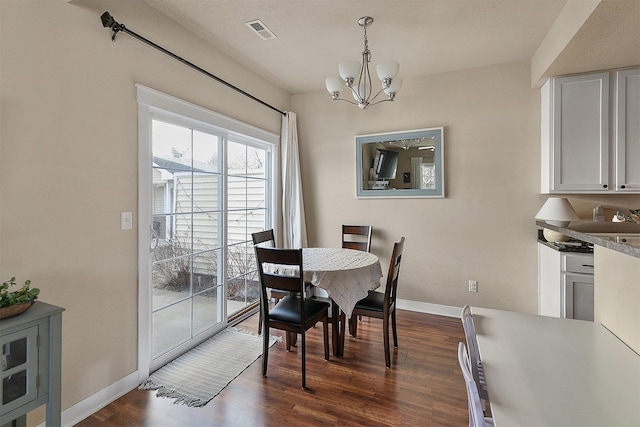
x=346, y=274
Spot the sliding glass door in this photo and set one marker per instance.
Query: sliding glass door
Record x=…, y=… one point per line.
x=205, y=189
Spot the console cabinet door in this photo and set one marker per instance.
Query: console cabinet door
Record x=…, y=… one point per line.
x=19, y=368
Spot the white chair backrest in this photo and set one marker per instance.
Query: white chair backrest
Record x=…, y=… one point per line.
x=472, y=341
x=476, y=415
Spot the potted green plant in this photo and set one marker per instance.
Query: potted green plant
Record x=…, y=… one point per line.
x=15, y=302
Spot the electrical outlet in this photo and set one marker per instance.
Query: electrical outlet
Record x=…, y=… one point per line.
x=473, y=286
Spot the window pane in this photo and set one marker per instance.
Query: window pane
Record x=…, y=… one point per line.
x=206, y=152
x=256, y=193
x=171, y=145
x=171, y=327
x=205, y=310
x=237, y=193
x=207, y=233
x=428, y=176
x=256, y=162
x=205, y=270
x=207, y=192
x=236, y=158
x=237, y=264
x=171, y=281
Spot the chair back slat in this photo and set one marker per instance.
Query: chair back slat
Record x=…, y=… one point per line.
x=476, y=414
x=265, y=238
x=357, y=237
x=472, y=342
x=280, y=269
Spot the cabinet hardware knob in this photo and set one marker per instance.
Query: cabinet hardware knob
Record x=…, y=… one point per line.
x=623, y=186
x=605, y=186
x=587, y=265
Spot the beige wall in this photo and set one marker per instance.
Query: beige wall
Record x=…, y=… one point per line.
x=68, y=163
x=484, y=229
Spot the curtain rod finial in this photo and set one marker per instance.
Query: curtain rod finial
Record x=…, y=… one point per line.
x=108, y=21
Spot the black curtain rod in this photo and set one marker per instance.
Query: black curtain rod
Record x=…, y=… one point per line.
x=108, y=21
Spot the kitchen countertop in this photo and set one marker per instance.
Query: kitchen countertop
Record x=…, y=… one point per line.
x=594, y=232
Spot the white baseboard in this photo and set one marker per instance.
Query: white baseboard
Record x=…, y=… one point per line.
x=99, y=400
x=425, y=307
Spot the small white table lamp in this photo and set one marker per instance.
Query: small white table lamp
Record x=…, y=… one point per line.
x=559, y=212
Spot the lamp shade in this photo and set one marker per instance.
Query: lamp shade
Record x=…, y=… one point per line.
x=349, y=69
x=557, y=211
x=387, y=69
x=396, y=84
x=334, y=84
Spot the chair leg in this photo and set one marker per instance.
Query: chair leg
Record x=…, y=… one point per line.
x=385, y=335
x=265, y=350
x=343, y=320
x=304, y=363
x=353, y=326
x=325, y=331
x=393, y=328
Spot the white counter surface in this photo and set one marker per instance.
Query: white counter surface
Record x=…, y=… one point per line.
x=545, y=371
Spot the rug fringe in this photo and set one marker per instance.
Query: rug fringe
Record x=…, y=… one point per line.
x=163, y=391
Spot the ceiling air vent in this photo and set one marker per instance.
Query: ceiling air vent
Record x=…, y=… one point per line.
x=260, y=29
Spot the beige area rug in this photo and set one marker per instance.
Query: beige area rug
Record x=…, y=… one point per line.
x=198, y=376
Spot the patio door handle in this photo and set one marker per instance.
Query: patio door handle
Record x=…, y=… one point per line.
x=153, y=240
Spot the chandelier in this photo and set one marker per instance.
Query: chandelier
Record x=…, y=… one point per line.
x=362, y=87
x=407, y=144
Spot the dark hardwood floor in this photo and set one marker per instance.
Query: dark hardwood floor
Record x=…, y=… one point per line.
x=424, y=386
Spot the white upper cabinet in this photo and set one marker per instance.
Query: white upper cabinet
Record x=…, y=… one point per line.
x=591, y=133
x=627, y=131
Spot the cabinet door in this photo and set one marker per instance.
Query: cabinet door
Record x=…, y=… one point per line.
x=580, y=133
x=627, y=131
x=19, y=368
x=578, y=296
x=549, y=281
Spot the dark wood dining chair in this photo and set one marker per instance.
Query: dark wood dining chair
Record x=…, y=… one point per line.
x=267, y=239
x=357, y=237
x=382, y=305
x=294, y=313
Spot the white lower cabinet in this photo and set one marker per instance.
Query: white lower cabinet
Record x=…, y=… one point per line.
x=565, y=284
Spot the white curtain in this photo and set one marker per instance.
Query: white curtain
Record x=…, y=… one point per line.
x=294, y=231
x=416, y=172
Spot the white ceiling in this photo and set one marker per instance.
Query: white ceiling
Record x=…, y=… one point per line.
x=313, y=36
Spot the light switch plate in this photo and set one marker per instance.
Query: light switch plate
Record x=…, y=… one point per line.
x=126, y=220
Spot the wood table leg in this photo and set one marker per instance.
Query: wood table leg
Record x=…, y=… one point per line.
x=343, y=320
x=335, y=329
